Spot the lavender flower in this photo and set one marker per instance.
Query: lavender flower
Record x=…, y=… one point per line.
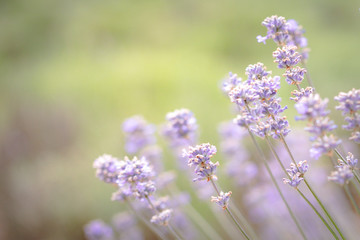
x=302, y=167
x=135, y=170
x=107, y=168
x=286, y=57
x=323, y=145
x=98, y=230
x=279, y=127
x=295, y=75
x=276, y=29
x=351, y=161
x=261, y=129
x=247, y=118
x=296, y=34
x=200, y=154
x=293, y=180
x=243, y=94
x=320, y=126
x=162, y=218
x=222, y=200
x=311, y=107
x=181, y=127
x=302, y=93
x=256, y=72
x=138, y=134
x=342, y=175
x=271, y=107
x=122, y=193
x=267, y=87
x=231, y=82
x=349, y=104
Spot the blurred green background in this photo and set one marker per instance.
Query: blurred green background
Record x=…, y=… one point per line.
x=72, y=71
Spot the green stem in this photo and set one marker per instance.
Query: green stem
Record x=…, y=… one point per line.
x=262, y=156
x=352, y=200
x=307, y=74
x=144, y=221
x=323, y=208
x=317, y=212
x=229, y=212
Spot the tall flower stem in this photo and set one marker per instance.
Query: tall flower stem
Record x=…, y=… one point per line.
x=144, y=221
x=311, y=190
x=229, y=211
x=352, y=200
x=171, y=229
x=303, y=63
x=262, y=156
x=344, y=161
x=317, y=212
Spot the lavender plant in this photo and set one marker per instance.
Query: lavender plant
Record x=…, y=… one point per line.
x=141, y=180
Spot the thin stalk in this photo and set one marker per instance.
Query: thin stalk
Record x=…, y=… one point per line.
x=323, y=208
x=275, y=154
x=352, y=200
x=317, y=212
x=262, y=156
x=144, y=221
x=307, y=74
x=171, y=229
x=311, y=190
x=229, y=212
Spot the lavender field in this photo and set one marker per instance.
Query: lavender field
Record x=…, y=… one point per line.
x=179, y=120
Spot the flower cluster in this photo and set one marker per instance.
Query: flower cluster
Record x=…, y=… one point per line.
x=162, y=218
x=107, y=168
x=314, y=109
x=296, y=173
x=222, y=200
x=277, y=29
x=138, y=134
x=98, y=230
x=180, y=128
x=199, y=156
x=342, y=175
x=349, y=104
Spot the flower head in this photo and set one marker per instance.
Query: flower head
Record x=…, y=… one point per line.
x=348, y=102
x=243, y=94
x=229, y=83
x=342, y=175
x=222, y=200
x=295, y=75
x=107, y=168
x=293, y=180
x=276, y=29
x=286, y=56
x=162, y=218
x=302, y=93
x=256, y=72
x=200, y=154
x=311, y=107
x=323, y=145
x=98, y=230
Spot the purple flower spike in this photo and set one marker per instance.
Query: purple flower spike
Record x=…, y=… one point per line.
x=222, y=200
x=243, y=94
x=138, y=134
x=302, y=93
x=348, y=102
x=107, y=168
x=342, y=175
x=311, y=107
x=256, y=72
x=246, y=119
x=294, y=180
x=267, y=87
x=162, y=218
x=350, y=161
x=276, y=29
x=200, y=154
x=294, y=75
x=286, y=57
x=231, y=82
x=261, y=129
x=323, y=145
x=279, y=126
x=98, y=230
x=206, y=172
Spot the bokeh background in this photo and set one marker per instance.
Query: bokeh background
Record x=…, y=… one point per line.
x=72, y=71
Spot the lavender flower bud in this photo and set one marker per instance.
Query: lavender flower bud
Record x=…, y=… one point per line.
x=311, y=107
x=246, y=119
x=231, y=82
x=107, y=168
x=302, y=93
x=323, y=145
x=295, y=75
x=206, y=171
x=200, y=154
x=138, y=134
x=350, y=161
x=121, y=194
x=348, y=102
x=320, y=126
x=276, y=29
x=162, y=218
x=256, y=72
x=222, y=200
x=243, y=94
x=279, y=126
x=261, y=129
x=342, y=175
x=98, y=230
x=267, y=87
x=294, y=180
x=286, y=57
